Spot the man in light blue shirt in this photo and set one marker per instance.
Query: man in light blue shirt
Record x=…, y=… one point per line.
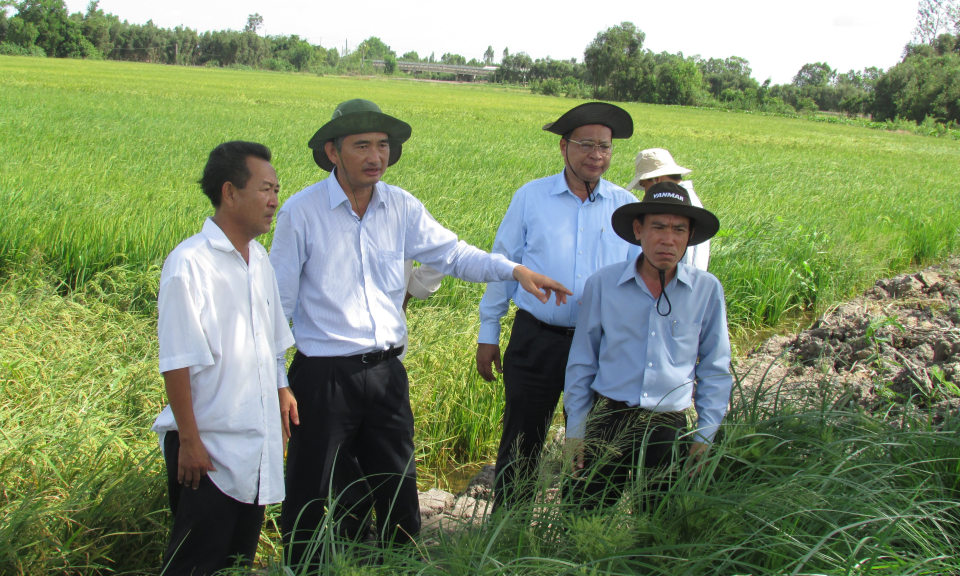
x=339, y=251
x=649, y=328
x=558, y=226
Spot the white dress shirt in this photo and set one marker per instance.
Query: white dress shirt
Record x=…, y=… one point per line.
x=220, y=317
x=341, y=277
x=697, y=256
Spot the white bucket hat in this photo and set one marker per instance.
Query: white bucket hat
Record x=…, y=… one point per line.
x=655, y=162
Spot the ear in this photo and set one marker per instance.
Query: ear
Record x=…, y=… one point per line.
x=563, y=147
x=331, y=151
x=228, y=194
x=637, y=226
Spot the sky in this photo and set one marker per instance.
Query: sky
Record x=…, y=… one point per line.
x=776, y=37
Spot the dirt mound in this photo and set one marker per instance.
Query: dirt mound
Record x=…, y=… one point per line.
x=899, y=341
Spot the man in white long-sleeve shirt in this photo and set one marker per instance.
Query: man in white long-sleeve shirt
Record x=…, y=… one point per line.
x=339, y=249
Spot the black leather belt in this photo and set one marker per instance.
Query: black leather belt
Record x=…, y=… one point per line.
x=562, y=330
x=378, y=356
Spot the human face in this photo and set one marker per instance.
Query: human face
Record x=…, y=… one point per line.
x=253, y=206
x=647, y=183
x=664, y=238
x=589, y=167
x=362, y=158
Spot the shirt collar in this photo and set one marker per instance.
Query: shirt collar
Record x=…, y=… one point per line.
x=338, y=196
x=219, y=240
x=216, y=237
x=560, y=186
x=630, y=272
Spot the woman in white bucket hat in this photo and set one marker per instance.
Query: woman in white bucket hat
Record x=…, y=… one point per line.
x=657, y=165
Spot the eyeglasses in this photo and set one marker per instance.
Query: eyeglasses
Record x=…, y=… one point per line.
x=588, y=147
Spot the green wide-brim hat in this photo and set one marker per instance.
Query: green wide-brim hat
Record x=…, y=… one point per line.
x=613, y=117
x=666, y=198
x=359, y=116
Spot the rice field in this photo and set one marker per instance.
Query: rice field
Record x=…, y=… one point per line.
x=98, y=164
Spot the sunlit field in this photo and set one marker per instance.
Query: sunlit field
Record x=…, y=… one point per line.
x=98, y=170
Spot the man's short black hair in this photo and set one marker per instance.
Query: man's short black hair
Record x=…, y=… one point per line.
x=228, y=163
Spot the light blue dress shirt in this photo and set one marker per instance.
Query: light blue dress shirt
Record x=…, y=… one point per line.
x=624, y=350
x=551, y=231
x=341, y=278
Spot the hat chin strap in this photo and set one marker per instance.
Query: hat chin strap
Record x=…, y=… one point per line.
x=590, y=195
x=663, y=288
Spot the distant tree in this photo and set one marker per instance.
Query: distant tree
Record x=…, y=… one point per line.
x=614, y=60
x=431, y=59
x=389, y=64
x=926, y=83
x=934, y=17
x=254, y=23
x=815, y=74
x=375, y=49
x=488, y=56
x=411, y=56
x=732, y=73
x=506, y=53
x=454, y=59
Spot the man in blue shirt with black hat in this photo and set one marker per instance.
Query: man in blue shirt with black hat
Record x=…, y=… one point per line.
x=649, y=329
x=558, y=226
x=338, y=251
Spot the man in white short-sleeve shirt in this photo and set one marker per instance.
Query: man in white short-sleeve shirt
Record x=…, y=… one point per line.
x=220, y=328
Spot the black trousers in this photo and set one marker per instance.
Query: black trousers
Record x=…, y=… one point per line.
x=624, y=445
x=533, y=374
x=354, y=444
x=211, y=531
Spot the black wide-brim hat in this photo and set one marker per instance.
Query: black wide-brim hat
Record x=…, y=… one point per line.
x=613, y=117
x=666, y=198
x=359, y=116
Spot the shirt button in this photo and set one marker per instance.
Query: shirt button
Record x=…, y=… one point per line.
x=653, y=333
x=581, y=229
x=581, y=251
x=578, y=275
x=644, y=394
x=649, y=364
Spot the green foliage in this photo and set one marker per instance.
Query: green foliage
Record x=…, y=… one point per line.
x=925, y=84
x=8, y=49
x=615, y=60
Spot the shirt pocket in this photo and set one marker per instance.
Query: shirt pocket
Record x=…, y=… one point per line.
x=391, y=271
x=685, y=330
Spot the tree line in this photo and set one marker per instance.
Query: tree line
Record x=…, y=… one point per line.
x=615, y=65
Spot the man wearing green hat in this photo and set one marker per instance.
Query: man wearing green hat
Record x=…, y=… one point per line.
x=649, y=329
x=558, y=226
x=339, y=251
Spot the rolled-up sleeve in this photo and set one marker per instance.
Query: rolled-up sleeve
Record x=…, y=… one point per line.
x=714, y=379
x=183, y=343
x=287, y=256
x=424, y=281
x=496, y=300
x=584, y=360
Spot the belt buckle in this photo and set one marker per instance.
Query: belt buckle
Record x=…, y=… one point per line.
x=369, y=357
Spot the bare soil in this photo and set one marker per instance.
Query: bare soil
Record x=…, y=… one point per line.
x=898, y=342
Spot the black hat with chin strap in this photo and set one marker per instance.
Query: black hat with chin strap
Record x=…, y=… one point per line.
x=666, y=198
x=613, y=117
